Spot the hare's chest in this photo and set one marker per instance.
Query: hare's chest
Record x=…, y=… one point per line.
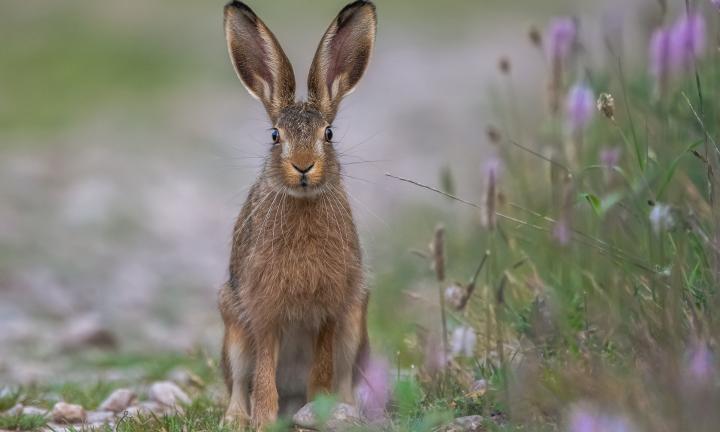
x=307, y=263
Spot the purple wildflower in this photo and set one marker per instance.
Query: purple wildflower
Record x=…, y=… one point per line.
x=700, y=363
x=579, y=107
x=561, y=41
x=687, y=41
x=660, y=59
x=561, y=233
x=610, y=156
x=561, y=37
x=716, y=3
x=583, y=418
x=373, y=391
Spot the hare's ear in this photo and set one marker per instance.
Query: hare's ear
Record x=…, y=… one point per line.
x=259, y=61
x=342, y=56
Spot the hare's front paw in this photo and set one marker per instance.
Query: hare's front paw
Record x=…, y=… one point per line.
x=236, y=418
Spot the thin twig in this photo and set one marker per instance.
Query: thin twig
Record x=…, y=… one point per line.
x=701, y=123
x=599, y=244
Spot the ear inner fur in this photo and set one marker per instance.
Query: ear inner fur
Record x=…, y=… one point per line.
x=342, y=57
x=258, y=59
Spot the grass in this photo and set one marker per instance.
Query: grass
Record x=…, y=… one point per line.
x=22, y=422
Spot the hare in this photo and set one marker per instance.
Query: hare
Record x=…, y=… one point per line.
x=294, y=307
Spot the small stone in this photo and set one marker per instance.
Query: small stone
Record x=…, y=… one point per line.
x=341, y=417
x=100, y=417
x=34, y=411
x=68, y=413
x=473, y=423
x=168, y=394
x=16, y=410
x=118, y=400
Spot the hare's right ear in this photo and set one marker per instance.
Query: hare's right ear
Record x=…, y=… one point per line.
x=259, y=61
x=342, y=56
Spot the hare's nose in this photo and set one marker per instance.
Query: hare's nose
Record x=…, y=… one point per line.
x=303, y=170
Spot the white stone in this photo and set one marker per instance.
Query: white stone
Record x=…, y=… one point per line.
x=68, y=413
x=168, y=394
x=100, y=417
x=118, y=400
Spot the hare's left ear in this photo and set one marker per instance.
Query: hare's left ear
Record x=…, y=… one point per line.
x=342, y=57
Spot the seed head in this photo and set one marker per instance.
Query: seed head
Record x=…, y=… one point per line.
x=536, y=37
x=504, y=65
x=493, y=134
x=606, y=105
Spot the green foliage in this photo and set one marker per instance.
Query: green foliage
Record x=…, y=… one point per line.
x=22, y=422
x=8, y=399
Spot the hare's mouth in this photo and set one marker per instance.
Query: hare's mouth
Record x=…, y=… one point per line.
x=307, y=191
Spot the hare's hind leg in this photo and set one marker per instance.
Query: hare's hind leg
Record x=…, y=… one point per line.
x=237, y=363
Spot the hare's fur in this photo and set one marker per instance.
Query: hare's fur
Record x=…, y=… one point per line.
x=295, y=304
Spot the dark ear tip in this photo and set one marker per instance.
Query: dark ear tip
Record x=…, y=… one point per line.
x=241, y=7
x=354, y=6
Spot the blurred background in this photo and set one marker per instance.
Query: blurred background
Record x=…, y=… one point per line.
x=127, y=146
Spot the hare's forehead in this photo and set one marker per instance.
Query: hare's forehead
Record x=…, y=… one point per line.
x=301, y=124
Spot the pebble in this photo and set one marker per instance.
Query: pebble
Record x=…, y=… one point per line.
x=100, y=417
x=68, y=413
x=168, y=394
x=118, y=400
x=341, y=417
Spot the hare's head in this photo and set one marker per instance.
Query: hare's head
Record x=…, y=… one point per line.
x=302, y=158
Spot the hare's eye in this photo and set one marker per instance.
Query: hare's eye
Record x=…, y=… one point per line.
x=328, y=134
x=275, y=135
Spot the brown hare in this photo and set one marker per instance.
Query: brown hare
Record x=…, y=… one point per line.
x=295, y=304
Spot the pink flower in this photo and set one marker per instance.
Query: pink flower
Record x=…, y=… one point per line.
x=561, y=37
x=660, y=55
x=579, y=107
x=561, y=232
x=585, y=418
x=700, y=365
x=688, y=40
x=373, y=391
